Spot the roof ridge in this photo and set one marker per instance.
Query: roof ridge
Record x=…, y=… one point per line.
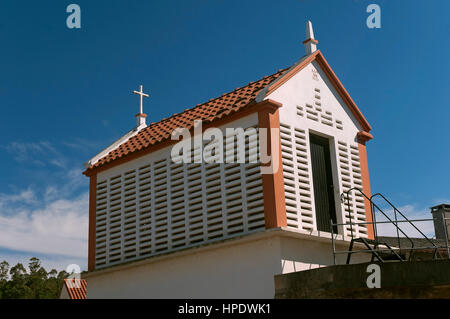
x=210, y=110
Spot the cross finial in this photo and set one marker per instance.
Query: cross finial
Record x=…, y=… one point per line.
x=142, y=94
x=141, y=116
x=310, y=43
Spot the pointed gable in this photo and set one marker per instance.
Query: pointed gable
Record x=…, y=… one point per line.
x=320, y=65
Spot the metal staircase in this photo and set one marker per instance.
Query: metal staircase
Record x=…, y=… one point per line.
x=401, y=248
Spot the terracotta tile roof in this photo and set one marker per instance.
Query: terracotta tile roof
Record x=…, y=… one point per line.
x=210, y=111
x=77, y=288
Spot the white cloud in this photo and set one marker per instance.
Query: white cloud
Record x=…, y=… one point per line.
x=59, y=227
x=49, y=218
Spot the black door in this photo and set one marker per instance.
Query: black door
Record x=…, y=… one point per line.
x=322, y=182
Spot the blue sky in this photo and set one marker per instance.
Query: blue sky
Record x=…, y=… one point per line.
x=65, y=94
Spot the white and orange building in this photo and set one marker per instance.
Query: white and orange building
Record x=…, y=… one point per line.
x=160, y=229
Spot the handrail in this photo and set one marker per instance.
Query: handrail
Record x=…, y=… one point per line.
x=370, y=200
x=373, y=208
x=401, y=214
x=444, y=246
x=386, y=222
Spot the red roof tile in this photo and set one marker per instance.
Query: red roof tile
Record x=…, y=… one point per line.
x=77, y=288
x=210, y=111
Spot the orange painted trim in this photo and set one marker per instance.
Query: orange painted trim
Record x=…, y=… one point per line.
x=364, y=136
x=293, y=71
x=168, y=142
x=273, y=184
x=343, y=92
x=366, y=186
x=317, y=56
x=312, y=40
x=92, y=221
x=141, y=115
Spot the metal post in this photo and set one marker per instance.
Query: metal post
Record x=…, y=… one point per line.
x=332, y=242
x=349, y=213
x=374, y=220
x=398, y=234
x=446, y=234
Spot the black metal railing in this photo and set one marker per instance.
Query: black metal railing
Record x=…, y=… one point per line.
x=374, y=246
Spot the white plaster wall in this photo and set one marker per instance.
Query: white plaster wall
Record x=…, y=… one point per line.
x=238, y=271
x=241, y=268
x=64, y=293
x=300, y=254
x=299, y=90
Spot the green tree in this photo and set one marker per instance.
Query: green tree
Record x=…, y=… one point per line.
x=37, y=283
x=4, y=271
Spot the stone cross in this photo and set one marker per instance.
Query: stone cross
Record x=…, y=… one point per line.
x=142, y=95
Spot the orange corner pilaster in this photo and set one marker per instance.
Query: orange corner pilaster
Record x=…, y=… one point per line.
x=363, y=137
x=92, y=220
x=273, y=184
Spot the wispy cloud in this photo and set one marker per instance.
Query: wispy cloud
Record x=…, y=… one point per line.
x=49, y=217
x=83, y=144
x=38, y=153
x=412, y=212
x=25, y=196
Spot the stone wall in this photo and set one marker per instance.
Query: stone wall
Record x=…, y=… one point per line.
x=422, y=279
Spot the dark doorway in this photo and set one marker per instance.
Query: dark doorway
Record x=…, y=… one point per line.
x=322, y=182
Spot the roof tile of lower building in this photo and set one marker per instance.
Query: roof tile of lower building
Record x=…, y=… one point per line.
x=77, y=288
